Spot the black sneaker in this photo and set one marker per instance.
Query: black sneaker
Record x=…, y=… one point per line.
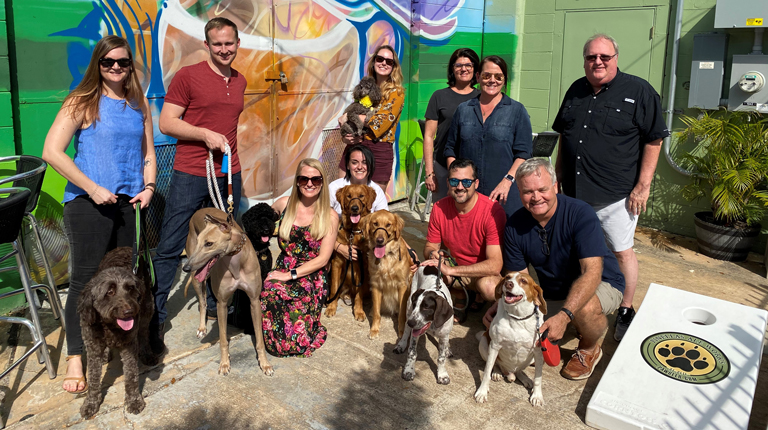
x=623, y=320
x=157, y=338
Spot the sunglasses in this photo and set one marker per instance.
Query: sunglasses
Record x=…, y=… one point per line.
x=109, y=62
x=454, y=182
x=603, y=58
x=304, y=180
x=496, y=76
x=544, y=244
x=379, y=59
x=459, y=66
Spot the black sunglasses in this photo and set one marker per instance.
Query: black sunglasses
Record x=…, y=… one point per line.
x=304, y=180
x=544, y=244
x=603, y=58
x=454, y=182
x=109, y=62
x=379, y=59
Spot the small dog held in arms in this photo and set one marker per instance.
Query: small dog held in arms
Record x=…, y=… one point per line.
x=512, y=341
x=115, y=309
x=430, y=310
x=218, y=247
x=367, y=96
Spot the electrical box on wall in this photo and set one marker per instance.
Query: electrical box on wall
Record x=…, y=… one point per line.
x=707, y=70
x=741, y=14
x=748, y=83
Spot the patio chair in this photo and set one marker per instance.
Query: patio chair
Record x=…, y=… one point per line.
x=416, y=197
x=30, y=171
x=544, y=144
x=12, y=211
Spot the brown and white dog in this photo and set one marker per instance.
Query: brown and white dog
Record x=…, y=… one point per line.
x=356, y=202
x=389, y=267
x=514, y=339
x=216, y=245
x=430, y=310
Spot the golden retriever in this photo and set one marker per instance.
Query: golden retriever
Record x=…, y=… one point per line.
x=356, y=202
x=389, y=274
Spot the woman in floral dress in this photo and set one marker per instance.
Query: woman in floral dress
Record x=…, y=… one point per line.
x=294, y=292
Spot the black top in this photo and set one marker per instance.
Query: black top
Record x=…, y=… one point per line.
x=440, y=108
x=602, y=135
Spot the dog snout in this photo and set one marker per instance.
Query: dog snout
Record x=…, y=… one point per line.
x=380, y=240
x=186, y=267
x=355, y=209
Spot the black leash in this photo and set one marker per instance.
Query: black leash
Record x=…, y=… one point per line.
x=441, y=257
x=350, y=263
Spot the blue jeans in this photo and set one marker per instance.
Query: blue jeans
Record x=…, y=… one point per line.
x=186, y=195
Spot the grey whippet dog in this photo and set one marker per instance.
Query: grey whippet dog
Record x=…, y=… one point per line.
x=218, y=247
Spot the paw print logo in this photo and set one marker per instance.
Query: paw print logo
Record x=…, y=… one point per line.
x=685, y=357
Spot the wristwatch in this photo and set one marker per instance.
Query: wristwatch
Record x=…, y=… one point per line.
x=294, y=275
x=510, y=178
x=568, y=313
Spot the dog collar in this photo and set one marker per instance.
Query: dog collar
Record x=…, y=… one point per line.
x=366, y=101
x=535, y=309
x=239, y=246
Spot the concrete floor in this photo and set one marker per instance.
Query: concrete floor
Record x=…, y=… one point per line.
x=353, y=382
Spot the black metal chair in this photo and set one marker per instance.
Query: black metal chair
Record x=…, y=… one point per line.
x=544, y=143
x=30, y=172
x=416, y=197
x=12, y=211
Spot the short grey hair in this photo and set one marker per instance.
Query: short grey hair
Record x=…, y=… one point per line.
x=531, y=167
x=600, y=36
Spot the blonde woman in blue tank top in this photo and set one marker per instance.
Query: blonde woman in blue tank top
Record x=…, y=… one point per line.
x=114, y=167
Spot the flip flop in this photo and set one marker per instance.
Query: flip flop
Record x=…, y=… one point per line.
x=474, y=305
x=79, y=379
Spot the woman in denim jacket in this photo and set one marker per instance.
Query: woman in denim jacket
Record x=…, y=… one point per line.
x=494, y=132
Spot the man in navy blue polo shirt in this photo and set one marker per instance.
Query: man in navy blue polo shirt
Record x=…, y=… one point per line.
x=562, y=239
x=611, y=128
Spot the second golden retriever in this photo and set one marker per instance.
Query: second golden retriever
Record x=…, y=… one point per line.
x=388, y=267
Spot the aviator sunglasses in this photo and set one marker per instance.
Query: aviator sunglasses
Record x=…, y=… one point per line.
x=379, y=59
x=454, y=182
x=303, y=180
x=604, y=58
x=109, y=62
x=496, y=76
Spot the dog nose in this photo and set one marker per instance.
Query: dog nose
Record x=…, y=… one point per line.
x=355, y=208
x=380, y=240
x=411, y=324
x=186, y=268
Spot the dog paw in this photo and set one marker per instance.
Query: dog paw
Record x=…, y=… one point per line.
x=443, y=380
x=268, y=370
x=373, y=334
x=89, y=409
x=481, y=396
x=408, y=375
x=399, y=349
x=329, y=312
x=201, y=333
x=135, y=406
x=537, y=400
x=360, y=316
x=497, y=376
x=224, y=369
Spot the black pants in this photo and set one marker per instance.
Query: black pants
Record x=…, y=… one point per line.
x=92, y=231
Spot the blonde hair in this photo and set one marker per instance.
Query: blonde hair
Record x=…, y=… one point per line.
x=84, y=99
x=395, y=80
x=321, y=224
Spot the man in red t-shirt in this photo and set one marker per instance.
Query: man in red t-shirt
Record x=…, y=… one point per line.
x=470, y=226
x=201, y=110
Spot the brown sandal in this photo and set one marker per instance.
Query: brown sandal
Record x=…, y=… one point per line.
x=79, y=379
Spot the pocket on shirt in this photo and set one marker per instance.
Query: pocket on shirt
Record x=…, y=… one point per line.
x=619, y=119
x=571, y=113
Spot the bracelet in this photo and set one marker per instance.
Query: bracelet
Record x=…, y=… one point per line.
x=568, y=313
x=429, y=175
x=150, y=186
x=94, y=191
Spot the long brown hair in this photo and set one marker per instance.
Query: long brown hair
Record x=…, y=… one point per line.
x=395, y=80
x=84, y=99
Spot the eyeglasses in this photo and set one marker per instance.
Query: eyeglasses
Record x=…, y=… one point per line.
x=496, y=76
x=454, y=182
x=459, y=66
x=544, y=244
x=379, y=59
x=603, y=58
x=109, y=62
x=304, y=180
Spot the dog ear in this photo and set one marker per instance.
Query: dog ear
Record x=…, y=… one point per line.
x=85, y=307
x=499, y=286
x=399, y=224
x=370, y=195
x=539, y=299
x=443, y=311
x=363, y=226
x=340, y=195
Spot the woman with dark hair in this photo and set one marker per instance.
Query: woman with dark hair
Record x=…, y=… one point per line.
x=360, y=168
x=385, y=67
x=442, y=105
x=114, y=168
x=494, y=132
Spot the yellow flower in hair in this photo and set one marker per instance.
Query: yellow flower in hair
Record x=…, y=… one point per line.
x=366, y=101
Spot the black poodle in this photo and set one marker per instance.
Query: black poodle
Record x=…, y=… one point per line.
x=115, y=309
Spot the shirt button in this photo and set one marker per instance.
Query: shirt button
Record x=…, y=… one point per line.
x=589, y=111
x=594, y=97
x=578, y=173
x=585, y=126
x=578, y=157
x=581, y=141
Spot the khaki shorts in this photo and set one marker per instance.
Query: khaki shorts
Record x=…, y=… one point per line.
x=610, y=299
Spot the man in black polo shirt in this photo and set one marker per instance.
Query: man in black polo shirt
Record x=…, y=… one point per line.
x=611, y=128
x=562, y=239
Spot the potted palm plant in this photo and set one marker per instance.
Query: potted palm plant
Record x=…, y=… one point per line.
x=731, y=165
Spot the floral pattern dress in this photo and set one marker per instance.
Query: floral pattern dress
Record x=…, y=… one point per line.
x=291, y=309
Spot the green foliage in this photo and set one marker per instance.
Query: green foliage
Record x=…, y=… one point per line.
x=731, y=162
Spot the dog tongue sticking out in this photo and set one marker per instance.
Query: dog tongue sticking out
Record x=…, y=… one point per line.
x=354, y=218
x=419, y=332
x=202, y=273
x=265, y=239
x=125, y=324
x=510, y=298
x=380, y=251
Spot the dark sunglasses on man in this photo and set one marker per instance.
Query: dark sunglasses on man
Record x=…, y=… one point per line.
x=603, y=58
x=390, y=62
x=109, y=62
x=304, y=180
x=454, y=182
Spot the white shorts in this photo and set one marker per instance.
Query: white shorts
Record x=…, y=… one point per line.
x=618, y=225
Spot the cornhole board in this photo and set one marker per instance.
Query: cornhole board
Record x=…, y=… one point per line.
x=687, y=362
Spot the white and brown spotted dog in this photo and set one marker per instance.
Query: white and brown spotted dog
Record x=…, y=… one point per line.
x=512, y=341
x=430, y=310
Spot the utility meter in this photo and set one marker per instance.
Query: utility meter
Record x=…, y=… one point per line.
x=751, y=82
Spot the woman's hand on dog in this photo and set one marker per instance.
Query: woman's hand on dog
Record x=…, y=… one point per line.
x=144, y=197
x=278, y=276
x=344, y=250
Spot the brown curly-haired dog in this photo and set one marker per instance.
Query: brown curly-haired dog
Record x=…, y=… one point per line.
x=115, y=308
